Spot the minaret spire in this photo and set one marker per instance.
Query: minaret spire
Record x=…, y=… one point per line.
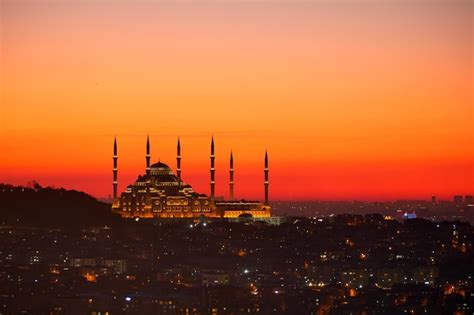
x=178, y=160
x=266, y=178
x=147, y=157
x=212, y=171
x=231, y=177
x=115, y=169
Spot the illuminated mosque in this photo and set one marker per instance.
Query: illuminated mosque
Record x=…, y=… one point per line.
x=159, y=193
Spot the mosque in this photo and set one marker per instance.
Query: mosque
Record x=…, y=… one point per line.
x=159, y=193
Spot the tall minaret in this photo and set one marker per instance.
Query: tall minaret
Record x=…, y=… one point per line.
x=178, y=161
x=266, y=178
x=147, y=157
x=213, y=170
x=231, y=178
x=115, y=169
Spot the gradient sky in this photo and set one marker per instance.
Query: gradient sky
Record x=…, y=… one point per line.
x=354, y=99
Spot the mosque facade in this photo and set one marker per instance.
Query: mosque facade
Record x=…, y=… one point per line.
x=161, y=193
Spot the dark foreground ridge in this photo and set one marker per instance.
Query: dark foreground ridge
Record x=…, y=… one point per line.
x=51, y=207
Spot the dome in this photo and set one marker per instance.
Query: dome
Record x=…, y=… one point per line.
x=160, y=169
x=160, y=165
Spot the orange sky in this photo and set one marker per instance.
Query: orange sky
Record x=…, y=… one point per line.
x=354, y=99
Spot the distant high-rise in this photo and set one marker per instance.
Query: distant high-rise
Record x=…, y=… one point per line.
x=433, y=199
x=469, y=199
x=457, y=199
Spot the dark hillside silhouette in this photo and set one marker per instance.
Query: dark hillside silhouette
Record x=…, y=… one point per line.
x=38, y=206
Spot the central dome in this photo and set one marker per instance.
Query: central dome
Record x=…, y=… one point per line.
x=160, y=165
x=160, y=169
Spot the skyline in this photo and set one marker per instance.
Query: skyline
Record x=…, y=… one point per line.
x=370, y=101
x=222, y=176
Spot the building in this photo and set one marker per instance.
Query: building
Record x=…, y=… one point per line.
x=469, y=199
x=457, y=199
x=159, y=193
x=409, y=215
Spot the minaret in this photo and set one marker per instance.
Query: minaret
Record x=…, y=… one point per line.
x=213, y=170
x=231, y=179
x=115, y=169
x=147, y=157
x=266, y=178
x=178, y=161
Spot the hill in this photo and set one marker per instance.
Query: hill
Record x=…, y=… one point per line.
x=52, y=207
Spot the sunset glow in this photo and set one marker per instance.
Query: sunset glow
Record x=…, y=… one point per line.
x=353, y=99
